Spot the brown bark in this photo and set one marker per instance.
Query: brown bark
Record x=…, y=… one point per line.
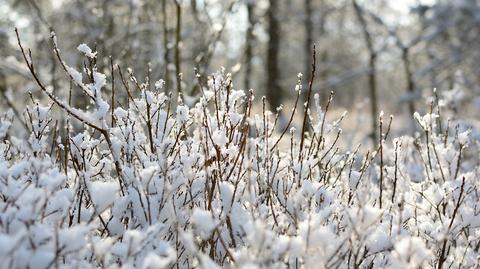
x=274, y=92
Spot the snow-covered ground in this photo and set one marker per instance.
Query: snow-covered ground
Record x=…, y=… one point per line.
x=215, y=185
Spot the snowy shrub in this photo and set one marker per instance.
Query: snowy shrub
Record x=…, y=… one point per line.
x=162, y=184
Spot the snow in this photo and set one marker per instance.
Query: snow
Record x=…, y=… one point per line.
x=73, y=239
x=5, y=123
x=153, y=261
x=76, y=76
x=219, y=138
x=235, y=118
x=200, y=192
x=182, y=114
x=103, y=194
x=208, y=94
x=463, y=137
x=410, y=252
x=159, y=84
x=102, y=107
x=203, y=221
x=378, y=241
x=86, y=50
x=40, y=259
x=226, y=191
x=51, y=180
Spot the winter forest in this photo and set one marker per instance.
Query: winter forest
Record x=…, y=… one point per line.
x=239, y=134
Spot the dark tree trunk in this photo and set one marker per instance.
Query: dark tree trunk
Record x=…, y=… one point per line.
x=178, y=32
x=410, y=81
x=249, y=38
x=373, y=95
x=273, y=91
x=308, y=39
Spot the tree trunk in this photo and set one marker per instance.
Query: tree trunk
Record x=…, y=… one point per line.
x=178, y=32
x=273, y=91
x=410, y=81
x=308, y=43
x=249, y=46
x=373, y=95
x=372, y=71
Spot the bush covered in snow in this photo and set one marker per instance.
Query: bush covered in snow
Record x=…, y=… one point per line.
x=161, y=184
